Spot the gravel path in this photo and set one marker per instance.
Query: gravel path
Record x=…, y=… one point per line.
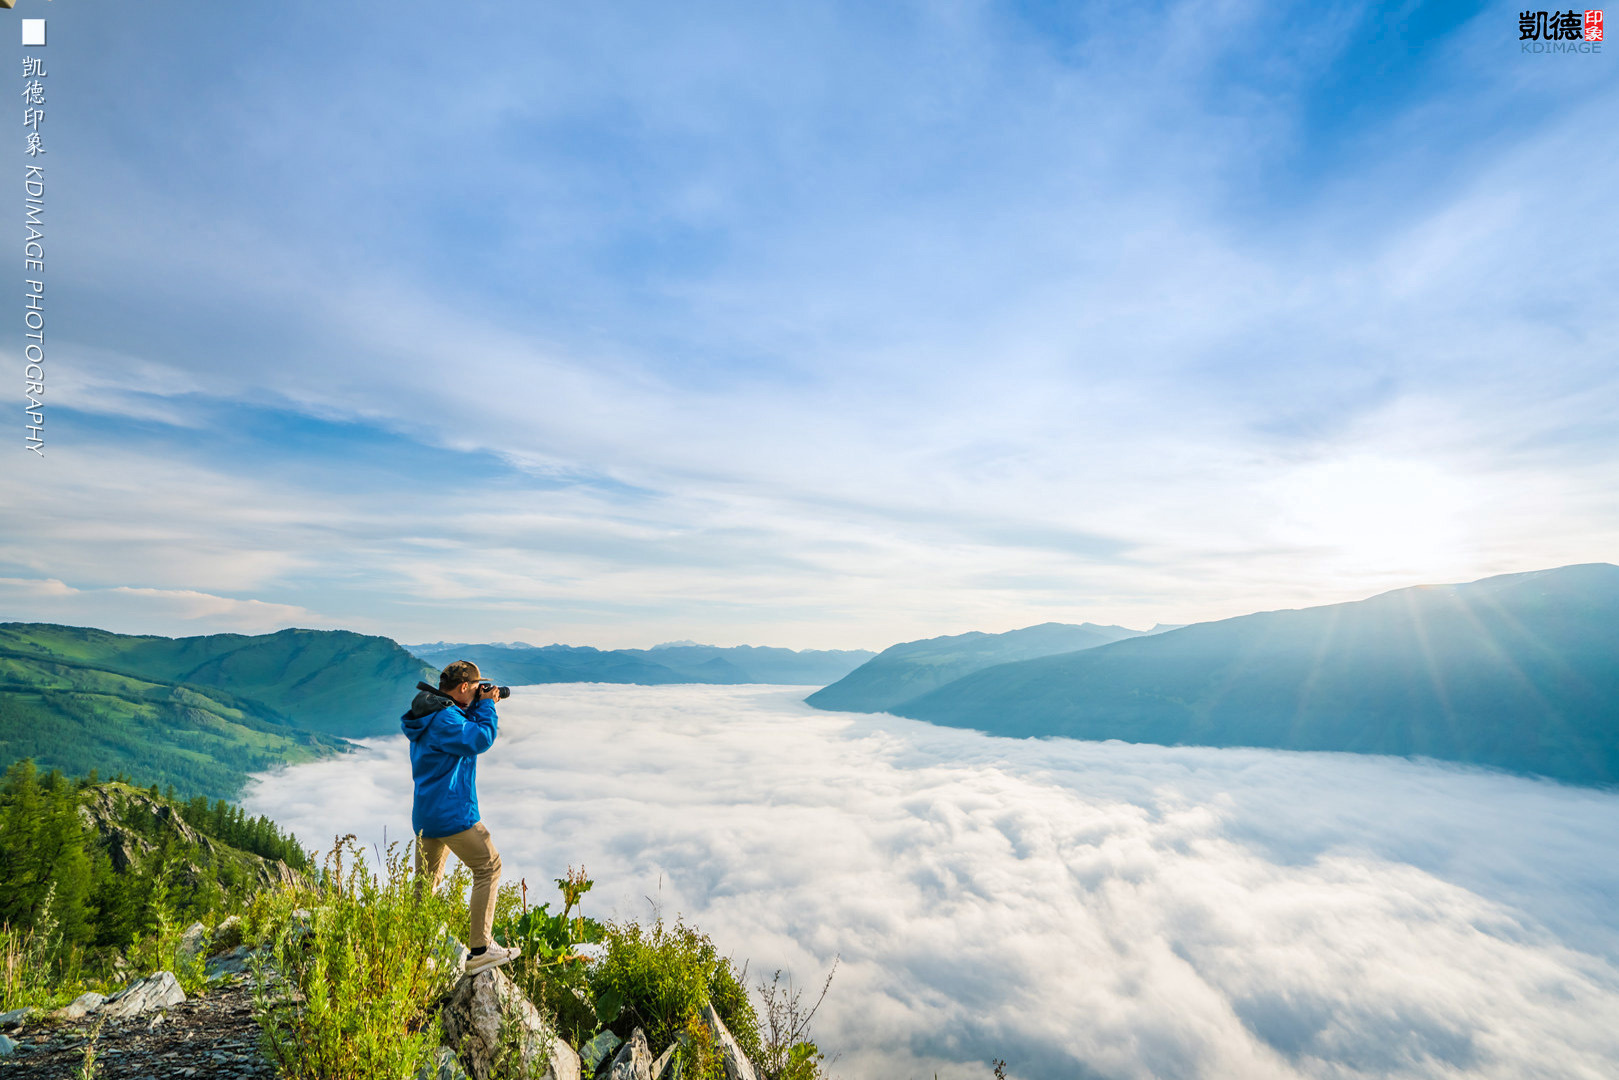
x=212, y=1036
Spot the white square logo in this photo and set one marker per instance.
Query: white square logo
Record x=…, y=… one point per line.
x=33, y=31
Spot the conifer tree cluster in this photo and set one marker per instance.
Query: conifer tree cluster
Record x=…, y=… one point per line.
x=229, y=823
x=58, y=879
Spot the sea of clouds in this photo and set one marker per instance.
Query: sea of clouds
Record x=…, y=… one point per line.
x=1077, y=909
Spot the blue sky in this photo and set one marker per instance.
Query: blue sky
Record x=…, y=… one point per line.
x=830, y=327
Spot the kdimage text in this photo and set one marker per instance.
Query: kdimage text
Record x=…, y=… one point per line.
x=34, y=307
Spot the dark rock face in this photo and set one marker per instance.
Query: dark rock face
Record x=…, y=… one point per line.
x=235, y=962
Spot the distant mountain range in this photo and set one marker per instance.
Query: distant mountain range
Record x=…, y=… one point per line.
x=679, y=662
x=200, y=712
x=902, y=672
x=1519, y=672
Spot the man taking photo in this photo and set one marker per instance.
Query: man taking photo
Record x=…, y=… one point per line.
x=448, y=728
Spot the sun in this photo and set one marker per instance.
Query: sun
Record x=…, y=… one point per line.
x=1377, y=514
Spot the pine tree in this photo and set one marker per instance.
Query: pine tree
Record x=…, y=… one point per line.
x=20, y=876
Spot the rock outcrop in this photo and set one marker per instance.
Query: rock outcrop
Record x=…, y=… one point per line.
x=662, y=1066
x=150, y=994
x=634, y=1060
x=225, y=964
x=487, y=1019
x=80, y=1007
x=444, y=1066
x=123, y=817
x=737, y=1066
x=193, y=940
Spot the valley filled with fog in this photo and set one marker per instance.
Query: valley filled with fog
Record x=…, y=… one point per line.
x=1078, y=909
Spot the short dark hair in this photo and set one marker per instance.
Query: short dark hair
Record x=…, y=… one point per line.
x=457, y=673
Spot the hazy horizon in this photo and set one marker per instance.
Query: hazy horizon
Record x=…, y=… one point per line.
x=116, y=626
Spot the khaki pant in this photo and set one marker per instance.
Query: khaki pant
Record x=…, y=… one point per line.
x=477, y=852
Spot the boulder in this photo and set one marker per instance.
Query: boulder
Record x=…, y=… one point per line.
x=234, y=962
x=16, y=1017
x=7, y=1047
x=79, y=1007
x=736, y=1063
x=192, y=942
x=597, y=1050
x=483, y=1008
x=155, y=992
x=444, y=1066
x=300, y=924
x=634, y=1061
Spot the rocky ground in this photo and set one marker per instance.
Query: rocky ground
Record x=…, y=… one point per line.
x=211, y=1036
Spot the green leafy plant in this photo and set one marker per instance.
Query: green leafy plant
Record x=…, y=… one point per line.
x=552, y=940
x=89, y=1064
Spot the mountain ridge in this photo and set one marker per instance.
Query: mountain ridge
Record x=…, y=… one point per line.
x=900, y=672
x=1516, y=671
x=664, y=664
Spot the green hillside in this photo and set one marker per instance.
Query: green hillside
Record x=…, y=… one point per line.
x=201, y=740
x=905, y=671
x=1520, y=672
x=334, y=681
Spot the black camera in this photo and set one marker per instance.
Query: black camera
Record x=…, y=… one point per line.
x=486, y=685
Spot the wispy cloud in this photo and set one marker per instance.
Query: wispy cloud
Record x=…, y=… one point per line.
x=1080, y=909
x=870, y=306
x=177, y=612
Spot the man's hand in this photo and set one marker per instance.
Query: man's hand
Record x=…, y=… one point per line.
x=490, y=693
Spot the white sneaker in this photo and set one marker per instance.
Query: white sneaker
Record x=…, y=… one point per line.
x=494, y=956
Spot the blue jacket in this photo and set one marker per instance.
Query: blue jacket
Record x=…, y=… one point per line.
x=445, y=741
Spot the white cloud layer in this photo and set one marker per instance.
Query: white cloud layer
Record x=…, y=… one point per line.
x=1079, y=909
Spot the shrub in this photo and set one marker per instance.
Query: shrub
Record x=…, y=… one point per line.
x=664, y=976
x=788, y=1053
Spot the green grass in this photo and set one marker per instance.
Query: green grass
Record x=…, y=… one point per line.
x=362, y=951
